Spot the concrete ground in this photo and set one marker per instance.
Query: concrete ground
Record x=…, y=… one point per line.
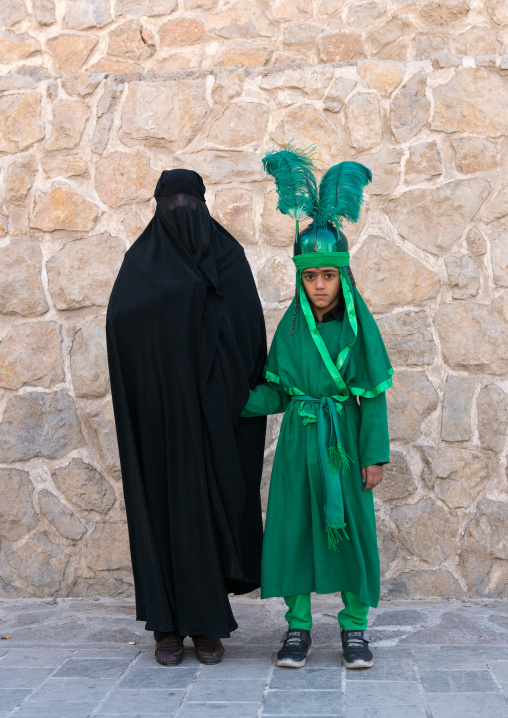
x=72, y=658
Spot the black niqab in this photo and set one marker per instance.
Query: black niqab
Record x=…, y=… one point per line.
x=186, y=341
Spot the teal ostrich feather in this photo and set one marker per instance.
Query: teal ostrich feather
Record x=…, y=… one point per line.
x=341, y=193
x=292, y=170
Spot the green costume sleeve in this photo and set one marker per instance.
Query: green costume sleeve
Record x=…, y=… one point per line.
x=373, y=440
x=266, y=399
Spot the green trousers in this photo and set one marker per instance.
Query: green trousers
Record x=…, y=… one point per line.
x=353, y=617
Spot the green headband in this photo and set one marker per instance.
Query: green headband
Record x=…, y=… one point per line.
x=321, y=259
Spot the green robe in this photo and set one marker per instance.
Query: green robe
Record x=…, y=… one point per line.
x=297, y=558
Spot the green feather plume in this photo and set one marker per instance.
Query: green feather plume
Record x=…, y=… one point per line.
x=292, y=170
x=341, y=193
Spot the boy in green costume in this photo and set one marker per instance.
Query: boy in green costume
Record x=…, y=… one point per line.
x=327, y=370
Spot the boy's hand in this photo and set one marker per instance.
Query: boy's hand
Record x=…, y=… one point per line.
x=372, y=476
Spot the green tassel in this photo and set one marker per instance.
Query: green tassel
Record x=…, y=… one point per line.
x=341, y=193
x=336, y=534
x=292, y=170
x=339, y=459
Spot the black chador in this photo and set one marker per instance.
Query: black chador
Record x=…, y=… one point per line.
x=186, y=342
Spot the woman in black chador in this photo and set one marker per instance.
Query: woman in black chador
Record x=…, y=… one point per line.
x=186, y=342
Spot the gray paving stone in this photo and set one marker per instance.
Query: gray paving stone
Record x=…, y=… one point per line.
x=31, y=709
x=81, y=690
x=385, y=670
x=495, y=653
x=225, y=690
x=99, y=668
x=17, y=677
x=236, y=670
x=467, y=681
x=132, y=702
x=449, y=658
x=405, y=711
x=467, y=705
x=387, y=653
x=324, y=658
x=312, y=679
x=303, y=703
x=147, y=658
x=11, y=697
x=221, y=710
x=113, y=653
x=500, y=670
x=35, y=657
x=157, y=677
x=381, y=692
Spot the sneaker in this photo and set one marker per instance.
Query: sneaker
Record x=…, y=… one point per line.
x=296, y=648
x=355, y=649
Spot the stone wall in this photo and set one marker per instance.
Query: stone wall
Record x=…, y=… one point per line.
x=96, y=100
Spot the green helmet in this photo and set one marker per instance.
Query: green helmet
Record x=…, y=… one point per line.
x=320, y=239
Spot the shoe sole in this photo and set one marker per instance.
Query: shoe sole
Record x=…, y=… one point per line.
x=210, y=662
x=168, y=664
x=357, y=664
x=290, y=663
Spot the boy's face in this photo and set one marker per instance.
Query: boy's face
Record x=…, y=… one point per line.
x=322, y=287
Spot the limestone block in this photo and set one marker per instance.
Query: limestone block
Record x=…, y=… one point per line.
x=474, y=336
x=180, y=31
x=134, y=223
x=80, y=84
x=70, y=52
x=12, y=12
x=457, y=406
x=365, y=14
x=388, y=548
x=411, y=399
x=60, y=516
x=101, y=420
x=64, y=165
x=21, y=290
x=17, y=46
x=20, y=121
x=84, y=487
x=306, y=126
x=233, y=209
x=497, y=208
x=276, y=279
x=44, y=11
x=16, y=81
x=37, y=424
x=227, y=86
x=485, y=543
x=499, y=248
x=381, y=75
x=341, y=47
x=390, y=40
x=428, y=46
x=277, y=229
x=476, y=244
x=241, y=19
x=292, y=84
x=423, y=162
x=463, y=276
x=116, y=65
x=126, y=41
x=82, y=14
x=69, y=119
x=107, y=547
x=398, y=480
x=338, y=92
x=474, y=154
x=245, y=57
x=81, y=274
x=62, y=207
x=17, y=515
x=300, y=33
x=437, y=583
x=418, y=526
x=241, y=124
x=40, y=562
x=4, y=222
x=385, y=165
x=473, y=101
x=363, y=121
x=444, y=12
x=89, y=361
x=407, y=338
x=284, y=10
x=434, y=219
x=389, y=277
x=123, y=178
x=498, y=11
x=147, y=8
x=272, y=319
x=457, y=475
x=110, y=586
x=410, y=108
x=169, y=111
x=223, y=166
x=493, y=417
x=31, y=354
x=19, y=177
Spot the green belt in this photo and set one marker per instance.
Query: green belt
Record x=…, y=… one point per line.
x=332, y=459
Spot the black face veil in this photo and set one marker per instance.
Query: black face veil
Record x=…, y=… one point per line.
x=186, y=341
